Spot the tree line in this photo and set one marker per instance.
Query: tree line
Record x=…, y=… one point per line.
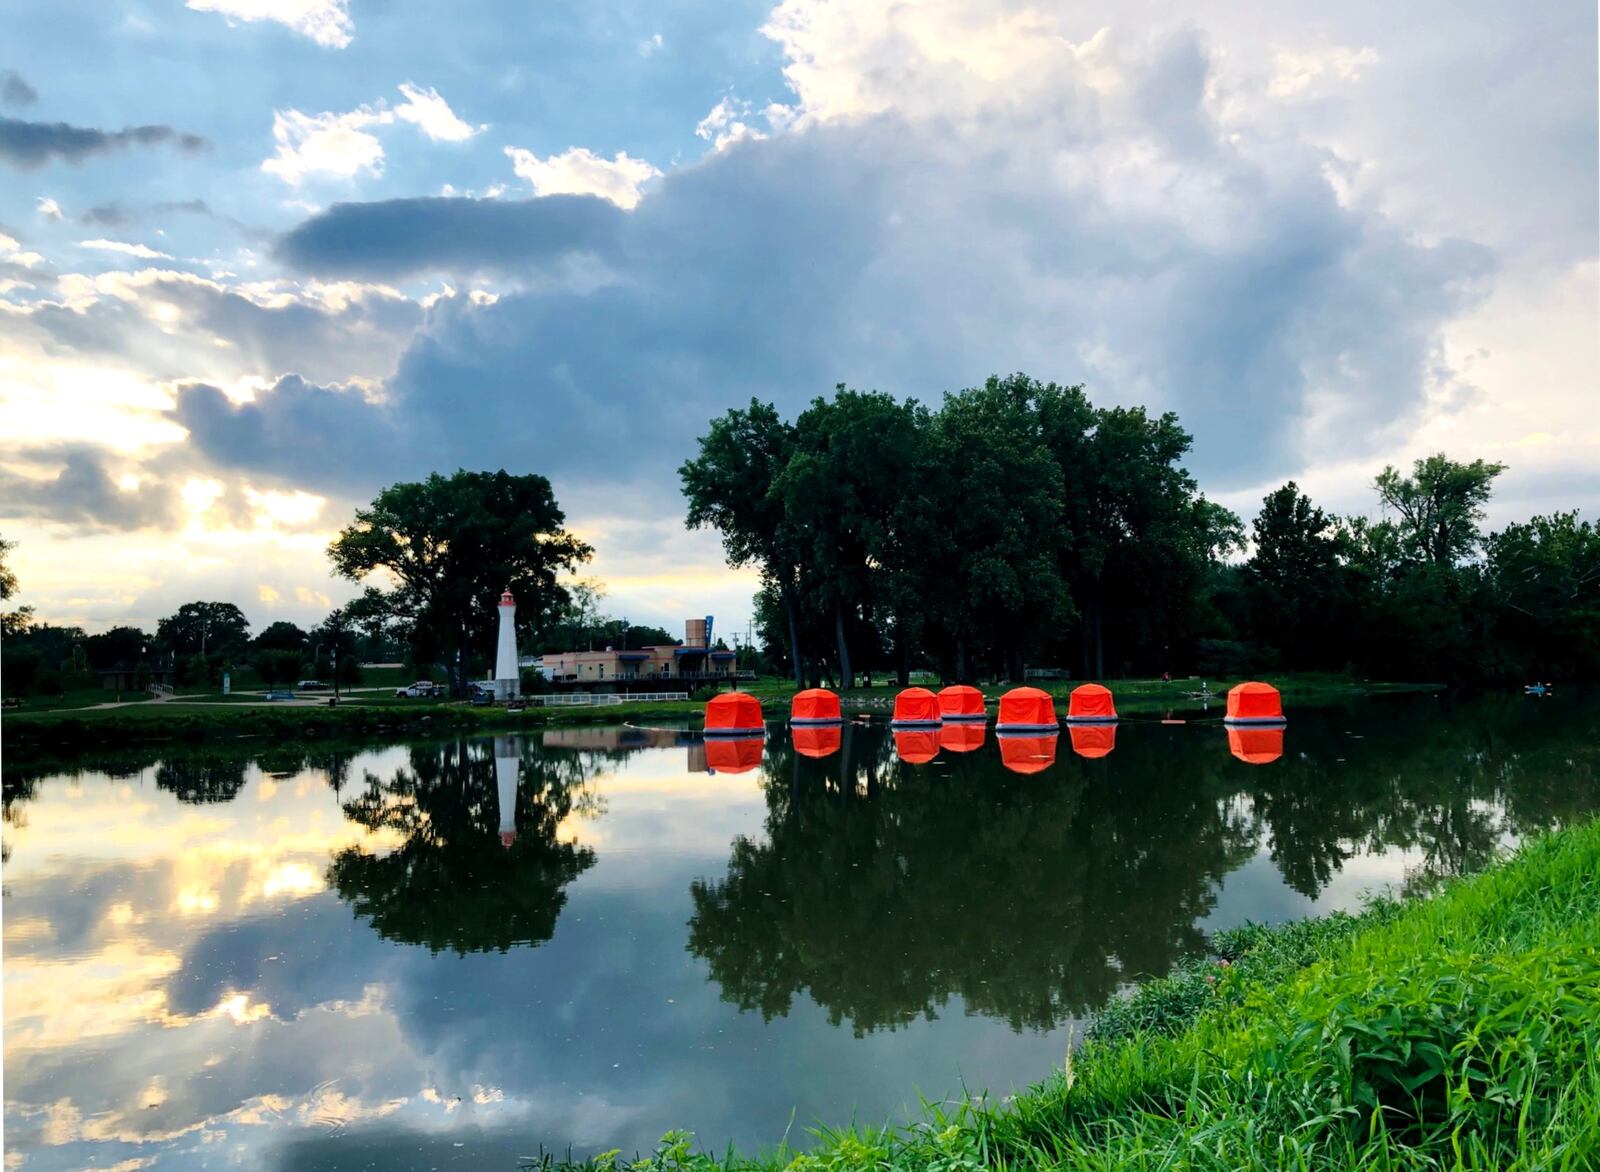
x=1018, y=524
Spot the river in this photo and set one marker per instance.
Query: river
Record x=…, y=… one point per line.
x=458, y=953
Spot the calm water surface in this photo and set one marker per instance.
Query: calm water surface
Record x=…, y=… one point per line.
x=451, y=954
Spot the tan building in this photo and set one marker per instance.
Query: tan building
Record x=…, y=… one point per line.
x=690, y=662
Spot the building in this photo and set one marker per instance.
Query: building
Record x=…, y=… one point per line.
x=690, y=663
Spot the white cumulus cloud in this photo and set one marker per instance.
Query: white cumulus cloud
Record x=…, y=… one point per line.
x=48, y=208
x=327, y=22
x=432, y=115
x=579, y=171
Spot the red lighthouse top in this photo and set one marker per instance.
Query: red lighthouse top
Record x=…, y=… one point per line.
x=506, y=599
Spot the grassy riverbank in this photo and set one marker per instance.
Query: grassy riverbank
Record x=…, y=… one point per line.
x=1457, y=1031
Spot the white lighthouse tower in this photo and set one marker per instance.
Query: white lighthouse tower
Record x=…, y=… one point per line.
x=507, y=757
x=507, y=678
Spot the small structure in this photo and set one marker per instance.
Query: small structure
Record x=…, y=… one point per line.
x=733, y=754
x=1093, y=740
x=1256, y=745
x=734, y=714
x=962, y=736
x=130, y=677
x=815, y=706
x=915, y=707
x=1091, y=704
x=1254, y=703
x=1027, y=710
x=507, y=760
x=507, y=676
x=693, y=661
x=817, y=740
x=916, y=746
x=961, y=702
x=1028, y=754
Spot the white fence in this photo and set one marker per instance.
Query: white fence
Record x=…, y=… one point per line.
x=600, y=699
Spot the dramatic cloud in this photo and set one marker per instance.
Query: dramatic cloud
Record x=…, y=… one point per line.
x=398, y=238
x=327, y=22
x=14, y=91
x=578, y=171
x=31, y=145
x=83, y=494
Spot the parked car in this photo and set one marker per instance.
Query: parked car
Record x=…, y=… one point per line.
x=420, y=688
x=480, y=697
x=311, y=686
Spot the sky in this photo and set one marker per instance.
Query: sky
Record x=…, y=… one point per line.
x=261, y=258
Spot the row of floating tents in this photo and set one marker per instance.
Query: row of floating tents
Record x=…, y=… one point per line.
x=1021, y=709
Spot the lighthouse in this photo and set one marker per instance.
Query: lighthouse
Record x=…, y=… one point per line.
x=507, y=757
x=507, y=680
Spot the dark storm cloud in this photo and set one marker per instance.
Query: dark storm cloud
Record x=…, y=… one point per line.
x=14, y=91
x=83, y=494
x=31, y=145
x=115, y=214
x=400, y=237
x=306, y=434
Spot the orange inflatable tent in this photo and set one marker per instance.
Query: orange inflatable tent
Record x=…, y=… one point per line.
x=734, y=714
x=1254, y=703
x=1026, y=709
x=814, y=706
x=1090, y=704
x=817, y=740
x=733, y=754
x=1028, y=754
x=962, y=736
x=916, y=706
x=1093, y=740
x=960, y=702
x=916, y=746
x=1256, y=746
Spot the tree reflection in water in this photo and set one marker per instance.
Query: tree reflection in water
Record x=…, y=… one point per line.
x=884, y=889
x=458, y=882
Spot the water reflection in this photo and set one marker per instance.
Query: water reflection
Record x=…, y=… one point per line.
x=480, y=865
x=323, y=954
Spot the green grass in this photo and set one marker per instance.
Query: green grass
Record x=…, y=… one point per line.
x=1459, y=1031
x=78, y=698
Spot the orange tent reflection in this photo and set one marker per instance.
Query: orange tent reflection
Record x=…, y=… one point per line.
x=916, y=746
x=733, y=754
x=962, y=738
x=817, y=741
x=1093, y=740
x=1028, y=754
x=1256, y=746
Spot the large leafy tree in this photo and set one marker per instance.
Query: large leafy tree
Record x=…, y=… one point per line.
x=119, y=645
x=1440, y=505
x=204, y=628
x=449, y=545
x=730, y=487
x=281, y=636
x=1297, y=578
x=12, y=622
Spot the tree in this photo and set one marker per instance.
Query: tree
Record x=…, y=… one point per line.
x=119, y=645
x=730, y=487
x=8, y=578
x=12, y=622
x=336, y=636
x=1296, y=578
x=204, y=628
x=281, y=636
x=277, y=667
x=1440, y=505
x=451, y=545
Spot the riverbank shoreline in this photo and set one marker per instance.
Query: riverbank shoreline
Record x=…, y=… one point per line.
x=184, y=722
x=1457, y=1029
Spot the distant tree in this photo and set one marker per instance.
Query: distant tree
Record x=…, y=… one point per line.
x=281, y=636
x=452, y=544
x=277, y=667
x=8, y=578
x=204, y=628
x=1542, y=593
x=1440, y=505
x=12, y=622
x=119, y=645
x=338, y=654
x=60, y=648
